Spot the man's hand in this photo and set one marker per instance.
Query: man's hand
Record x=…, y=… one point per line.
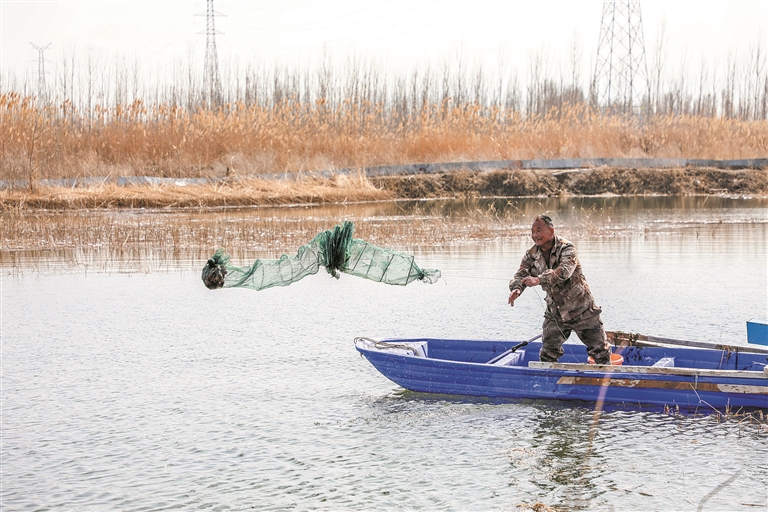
x=512, y=296
x=531, y=281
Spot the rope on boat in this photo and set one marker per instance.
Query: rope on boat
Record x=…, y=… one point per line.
x=384, y=345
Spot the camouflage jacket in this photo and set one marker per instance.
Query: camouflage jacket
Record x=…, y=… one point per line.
x=567, y=290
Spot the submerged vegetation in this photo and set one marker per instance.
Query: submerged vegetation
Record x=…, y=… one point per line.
x=109, y=235
x=251, y=230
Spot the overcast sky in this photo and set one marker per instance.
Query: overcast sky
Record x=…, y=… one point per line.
x=161, y=34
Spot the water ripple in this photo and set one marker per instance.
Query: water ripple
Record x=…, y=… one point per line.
x=148, y=392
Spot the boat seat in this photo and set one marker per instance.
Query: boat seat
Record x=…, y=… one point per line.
x=665, y=362
x=512, y=359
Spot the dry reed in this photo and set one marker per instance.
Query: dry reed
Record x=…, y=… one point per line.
x=56, y=141
x=341, y=189
x=130, y=240
x=244, y=230
x=426, y=224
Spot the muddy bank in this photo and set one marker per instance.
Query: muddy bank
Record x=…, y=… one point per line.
x=626, y=182
x=343, y=189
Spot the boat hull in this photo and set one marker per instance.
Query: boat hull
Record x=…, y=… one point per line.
x=445, y=372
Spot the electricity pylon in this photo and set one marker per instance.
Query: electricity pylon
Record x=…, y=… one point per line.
x=621, y=73
x=211, y=78
x=42, y=91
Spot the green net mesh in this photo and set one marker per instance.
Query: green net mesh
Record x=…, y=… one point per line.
x=335, y=250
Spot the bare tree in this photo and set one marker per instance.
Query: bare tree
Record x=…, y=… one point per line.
x=757, y=58
x=574, y=60
x=659, y=62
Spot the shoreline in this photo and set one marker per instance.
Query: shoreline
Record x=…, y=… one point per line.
x=344, y=189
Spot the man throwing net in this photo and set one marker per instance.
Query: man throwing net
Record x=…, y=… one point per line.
x=553, y=264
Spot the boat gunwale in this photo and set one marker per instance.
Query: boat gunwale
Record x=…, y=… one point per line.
x=648, y=370
x=639, y=341
x=621, y=339
x=538, y=367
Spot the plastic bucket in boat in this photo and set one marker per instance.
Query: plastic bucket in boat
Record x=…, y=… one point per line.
x=616, y=359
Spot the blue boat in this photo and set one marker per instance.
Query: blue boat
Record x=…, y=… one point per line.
x=655, y=371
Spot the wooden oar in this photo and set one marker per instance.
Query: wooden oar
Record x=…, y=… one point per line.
x=510, y=351
x=625, y=339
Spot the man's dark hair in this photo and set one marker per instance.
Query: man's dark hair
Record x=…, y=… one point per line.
x=547, y=220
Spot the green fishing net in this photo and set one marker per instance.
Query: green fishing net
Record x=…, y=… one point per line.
x=335, y=250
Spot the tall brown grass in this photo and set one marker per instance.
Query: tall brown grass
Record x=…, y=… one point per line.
x=39, y=140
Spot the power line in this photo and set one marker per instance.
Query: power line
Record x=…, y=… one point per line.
x=387, y=30
x=322, y=24
x=429, y=25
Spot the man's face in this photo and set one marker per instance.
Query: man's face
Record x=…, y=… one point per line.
x=541, y=233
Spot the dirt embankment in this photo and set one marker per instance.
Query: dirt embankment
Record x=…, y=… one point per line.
x=345, y=189
x=628, y=182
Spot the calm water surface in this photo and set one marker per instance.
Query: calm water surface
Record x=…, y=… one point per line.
x=143, y=390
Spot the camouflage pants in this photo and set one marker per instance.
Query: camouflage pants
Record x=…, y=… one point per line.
x=589, y=329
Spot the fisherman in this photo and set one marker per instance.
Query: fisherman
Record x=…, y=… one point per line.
x=553, y=264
